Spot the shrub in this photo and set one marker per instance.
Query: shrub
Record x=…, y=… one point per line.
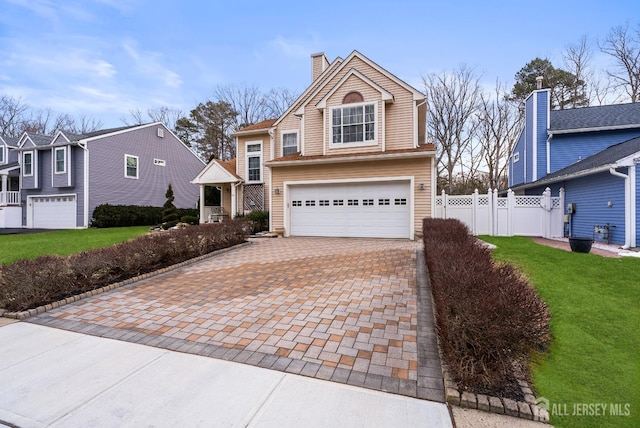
x=169, y=213
x=489, y=319
x=29, y=283
x=133, y=215
x=189, y=219
x=259, y=219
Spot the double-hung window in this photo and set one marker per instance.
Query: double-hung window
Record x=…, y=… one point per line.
x=60, y=160
x=27, y=164
x=1, y=154
x=130, y=166
x=254, y=162
x=289, y=143
x=353, y=124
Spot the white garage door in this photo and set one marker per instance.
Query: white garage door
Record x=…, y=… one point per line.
x=376, y=210
x=54, y=212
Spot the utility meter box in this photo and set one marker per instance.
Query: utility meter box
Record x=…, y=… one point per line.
x=571, y=208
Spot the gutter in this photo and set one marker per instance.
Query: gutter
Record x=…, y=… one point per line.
x=601, y=128
x=578, y=174
x=627, y=206
x=349, y=159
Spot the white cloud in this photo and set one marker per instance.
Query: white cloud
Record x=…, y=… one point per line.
x=149, y=64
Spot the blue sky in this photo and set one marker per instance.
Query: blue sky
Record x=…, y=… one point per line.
x=103, y=58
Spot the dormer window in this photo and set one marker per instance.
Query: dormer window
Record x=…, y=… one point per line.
x=354, y=124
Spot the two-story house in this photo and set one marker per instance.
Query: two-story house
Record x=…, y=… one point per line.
x=58, y=181
x=349, y=157
x=590, y=152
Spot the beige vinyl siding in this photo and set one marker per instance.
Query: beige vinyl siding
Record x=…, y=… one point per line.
x=419, y=168
x=265, y=139
x=399, y=122
x=289, y=123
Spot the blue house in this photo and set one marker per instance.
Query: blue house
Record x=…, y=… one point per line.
x=56, y=182
x=592, y=153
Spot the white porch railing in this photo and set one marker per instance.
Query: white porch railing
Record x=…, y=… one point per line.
x=487, y=214
x=9, y=198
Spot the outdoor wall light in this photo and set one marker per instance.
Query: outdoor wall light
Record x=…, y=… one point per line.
x=610, y=203
x=421, y=186
x=276, y=191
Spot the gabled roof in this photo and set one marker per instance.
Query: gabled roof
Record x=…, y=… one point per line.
x=218, y=172
x=9, y=141
x=598, y=162
x=615, y=116
x=256, y=127
x=333, y=69
x=386, y=96
x=38, y=140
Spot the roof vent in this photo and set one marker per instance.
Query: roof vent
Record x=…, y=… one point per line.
x=160, y=132
x=539, y=80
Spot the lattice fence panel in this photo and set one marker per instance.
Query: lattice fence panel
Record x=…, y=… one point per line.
x=459, y=201
x=253, y=197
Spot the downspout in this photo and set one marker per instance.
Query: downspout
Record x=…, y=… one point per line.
x=549, y=153
x=416, y=131
x=627, y=206
x=84, y=147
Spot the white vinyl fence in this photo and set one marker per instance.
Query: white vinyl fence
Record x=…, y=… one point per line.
x=488, y=214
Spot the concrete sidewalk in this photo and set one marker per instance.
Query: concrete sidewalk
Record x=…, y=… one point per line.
x=52, y=377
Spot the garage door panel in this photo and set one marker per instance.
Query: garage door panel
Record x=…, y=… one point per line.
x=54, y=212
x=372, y=209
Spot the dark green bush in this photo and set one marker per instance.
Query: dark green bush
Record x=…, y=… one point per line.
x=29, y=283
x=489, y=319
x=133, y=215
x=189, y=219
x=259, y=219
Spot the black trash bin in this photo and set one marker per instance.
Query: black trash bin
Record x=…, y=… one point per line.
x=580, y=245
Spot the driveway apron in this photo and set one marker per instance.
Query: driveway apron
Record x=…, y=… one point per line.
x=345, y=310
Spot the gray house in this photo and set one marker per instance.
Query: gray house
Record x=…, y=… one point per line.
x=62, y=179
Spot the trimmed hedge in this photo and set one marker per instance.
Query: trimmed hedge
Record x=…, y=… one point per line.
x=133, y=215
x=489, y=319
x=27, y=284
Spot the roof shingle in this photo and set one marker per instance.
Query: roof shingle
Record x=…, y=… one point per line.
x=595, y=117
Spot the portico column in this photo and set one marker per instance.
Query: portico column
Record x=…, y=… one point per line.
x=3, y=190
x=201, y=203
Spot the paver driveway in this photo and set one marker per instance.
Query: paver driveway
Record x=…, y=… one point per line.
x=338, y=309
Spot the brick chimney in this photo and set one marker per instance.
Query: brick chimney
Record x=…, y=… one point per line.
x=319, y=63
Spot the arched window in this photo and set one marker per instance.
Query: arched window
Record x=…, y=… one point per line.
x=352, y=97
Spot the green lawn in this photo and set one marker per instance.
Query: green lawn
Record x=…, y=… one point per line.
x=595, y=322
x=62, y=242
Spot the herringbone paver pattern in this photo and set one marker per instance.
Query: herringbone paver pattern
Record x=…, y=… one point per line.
x=338, y=309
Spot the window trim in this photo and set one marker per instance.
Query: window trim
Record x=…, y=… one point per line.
x=248, y=155
x=24, y=164
x=55, y=160
x=376, y=125
x=137, y=166
x=286, y=132
x=3, y=156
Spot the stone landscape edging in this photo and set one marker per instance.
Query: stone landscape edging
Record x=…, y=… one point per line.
x=505, y=406
x=21, y=315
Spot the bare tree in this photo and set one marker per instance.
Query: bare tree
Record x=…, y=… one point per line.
x=248, y=101
x=166, y=115
x=46, y=122
x=498, y=125
x=277, y=101
x=623, y=45
x=577, y=61
x=12, y=116
x=453, y=100
x=84, y=124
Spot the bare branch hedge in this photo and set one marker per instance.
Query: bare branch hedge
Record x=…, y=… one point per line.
x=489, y=318
x=29, y=283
